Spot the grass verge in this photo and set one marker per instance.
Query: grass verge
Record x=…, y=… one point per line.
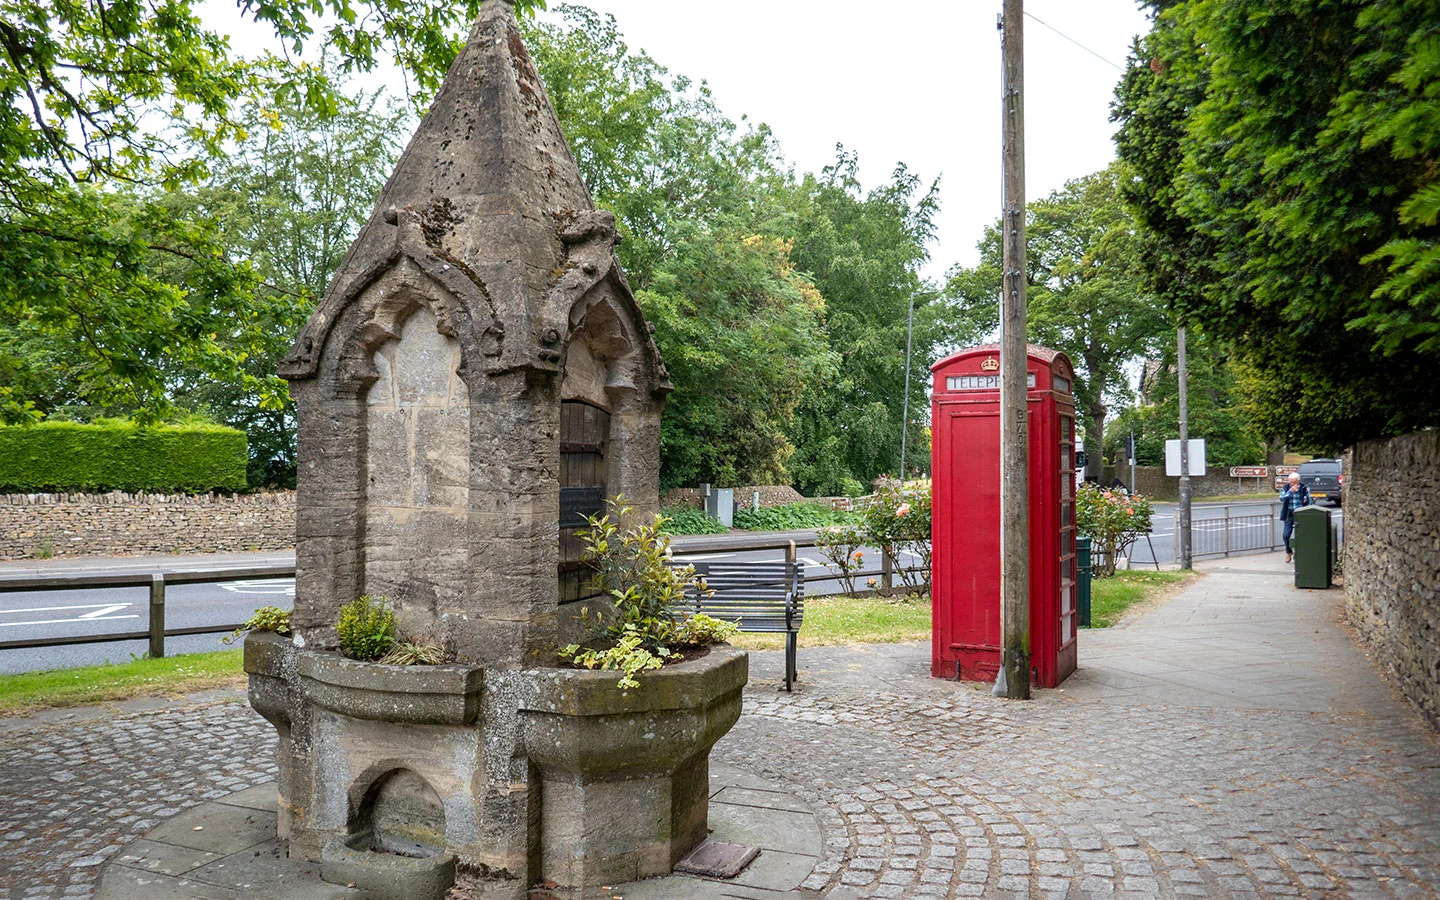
x=852, y=620
x=1111, y=597
x=170, y=676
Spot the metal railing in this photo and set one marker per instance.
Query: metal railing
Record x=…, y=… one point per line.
x=157, y=582
x=1228, y=534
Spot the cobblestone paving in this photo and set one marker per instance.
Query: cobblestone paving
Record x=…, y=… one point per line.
x=959, y=795
x=71, y=797
x=939, y=791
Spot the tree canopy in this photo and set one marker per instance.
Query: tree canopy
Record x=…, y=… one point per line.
x=779, y=302
x=109, y=107
x=1284, y=175
x=1086, y=293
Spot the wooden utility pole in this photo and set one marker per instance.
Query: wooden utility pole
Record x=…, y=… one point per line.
x=1013, y=680
x=1182, y=523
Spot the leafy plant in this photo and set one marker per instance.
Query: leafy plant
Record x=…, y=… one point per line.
x=896, y=519
x=843, y=547
x=628, y=655
x=266, y=618
x=689, y=520
x=633, y=568
x=418, y=652
x=366, y=628
x=46, y=550
x=1112, y=520
x=790, y=517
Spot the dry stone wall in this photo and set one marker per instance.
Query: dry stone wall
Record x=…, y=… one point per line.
x=1216, y=482
x=1392, y=560
x=770, y=495
x=38, y=525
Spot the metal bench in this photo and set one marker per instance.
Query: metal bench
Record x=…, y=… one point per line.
x=763, y=597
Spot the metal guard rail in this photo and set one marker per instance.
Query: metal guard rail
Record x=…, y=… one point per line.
x=157, y=582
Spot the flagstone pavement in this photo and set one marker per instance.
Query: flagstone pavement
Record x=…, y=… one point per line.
x=1232, y=741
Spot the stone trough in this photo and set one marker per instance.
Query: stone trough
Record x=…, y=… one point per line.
x=477, y=378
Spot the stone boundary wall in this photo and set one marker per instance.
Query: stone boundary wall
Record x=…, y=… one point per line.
x=1392, y=560
x=770, y=495
x=38, y=525
x=1153, y=482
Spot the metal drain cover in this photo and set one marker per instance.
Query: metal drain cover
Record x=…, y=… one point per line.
x=717, y=859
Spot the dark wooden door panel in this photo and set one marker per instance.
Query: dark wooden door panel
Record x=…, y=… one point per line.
x=584, y=430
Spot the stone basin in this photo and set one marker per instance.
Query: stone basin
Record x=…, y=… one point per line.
x=625, y=773
x=421, y=695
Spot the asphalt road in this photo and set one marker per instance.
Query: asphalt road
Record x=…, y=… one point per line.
x=36, y=614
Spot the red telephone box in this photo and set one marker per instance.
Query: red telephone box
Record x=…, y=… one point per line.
x=965, y=462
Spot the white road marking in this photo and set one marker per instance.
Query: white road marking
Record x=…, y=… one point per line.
x=59, y=608
x=260, y=586
x=104, y=612
x=63, y=621
x=692, y=557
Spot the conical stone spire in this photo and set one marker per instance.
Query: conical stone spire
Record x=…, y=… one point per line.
x=487, y=189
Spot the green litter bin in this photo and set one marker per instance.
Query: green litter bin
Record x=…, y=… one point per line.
x=1314, y=549
x=1082, y=579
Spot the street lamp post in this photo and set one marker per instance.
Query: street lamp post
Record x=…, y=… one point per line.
x=905, y=414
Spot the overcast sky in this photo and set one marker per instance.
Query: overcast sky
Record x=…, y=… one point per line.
x=917, y=82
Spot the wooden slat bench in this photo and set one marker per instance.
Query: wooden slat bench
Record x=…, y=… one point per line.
x=763, y=597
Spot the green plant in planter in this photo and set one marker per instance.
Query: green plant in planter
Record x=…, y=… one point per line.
x=634, y=569
x=419, y=651
x=367, y=628
x=266, y=618
x=628, y=655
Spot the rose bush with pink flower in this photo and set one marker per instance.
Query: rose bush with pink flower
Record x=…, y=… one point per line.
x=1112, y=521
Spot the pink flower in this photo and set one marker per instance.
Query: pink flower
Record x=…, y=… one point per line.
x=904, y=508
x=1129, y=511
x=1107, y=495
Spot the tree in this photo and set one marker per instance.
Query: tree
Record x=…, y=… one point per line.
x=107, y=106
x=1285, y=181
x=864, y=252
x=1215, y=407
x=742, y=336
x=292, y=198
x=697, y=200
x=1086, y=296
x=282, y=209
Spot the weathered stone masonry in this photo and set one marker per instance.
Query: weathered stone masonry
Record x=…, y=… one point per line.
x=1392, y=560
x=116, y=523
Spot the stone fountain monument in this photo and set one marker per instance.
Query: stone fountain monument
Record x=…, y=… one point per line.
x=477, y=378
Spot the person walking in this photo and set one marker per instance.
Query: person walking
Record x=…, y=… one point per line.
x=1292, y=497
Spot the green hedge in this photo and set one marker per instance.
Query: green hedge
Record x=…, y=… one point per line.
x=119, y=456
